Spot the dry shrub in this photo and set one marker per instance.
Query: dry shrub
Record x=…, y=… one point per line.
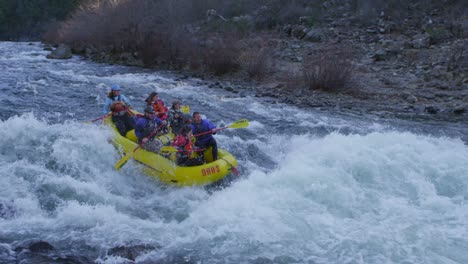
x=255, y=57
x=121, y=25
x=152, y=48
x=328, y=69
x=456, y=58
x=292, y=80
x=222, y=56
x=257, y=63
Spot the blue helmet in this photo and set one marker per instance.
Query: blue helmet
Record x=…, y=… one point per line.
x=149, y=110
x=115, y=87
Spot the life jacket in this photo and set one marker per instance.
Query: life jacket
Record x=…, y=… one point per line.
x=183, y=143
x=201, y=128
x=176, y=123
x=158, y=106
x=118, y=108
x=149, y=127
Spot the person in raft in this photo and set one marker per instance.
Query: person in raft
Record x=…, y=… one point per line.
x=204, y=141
x=159, y=108
x=145, y=126
x=183, y=143
x=118, y=104
x=177, y=118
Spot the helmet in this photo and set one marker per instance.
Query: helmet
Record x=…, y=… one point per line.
x=149, y=110
x=115, y=87
x=186, y=129
x=176, y=102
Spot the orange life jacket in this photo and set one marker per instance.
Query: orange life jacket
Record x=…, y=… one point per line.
x=158, y=106
x=118, y=107
x=184, y=143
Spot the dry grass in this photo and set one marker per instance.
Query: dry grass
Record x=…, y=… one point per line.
x=256, y=57
x=222, y=55
x=329, y=69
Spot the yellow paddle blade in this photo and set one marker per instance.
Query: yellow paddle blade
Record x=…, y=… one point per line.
x=185, y=109
x=240, y=124
x=168, y=149
x=123, y=160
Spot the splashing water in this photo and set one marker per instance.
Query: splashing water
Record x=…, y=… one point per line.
x=314, y=188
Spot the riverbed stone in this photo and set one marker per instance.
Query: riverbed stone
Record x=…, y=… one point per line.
x=62, y=52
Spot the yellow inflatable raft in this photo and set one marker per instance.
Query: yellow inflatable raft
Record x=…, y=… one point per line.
x=162, y=166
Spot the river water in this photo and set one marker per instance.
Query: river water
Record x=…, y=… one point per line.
x=314, y=186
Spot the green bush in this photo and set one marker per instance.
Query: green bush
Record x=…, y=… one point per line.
x=437, y=33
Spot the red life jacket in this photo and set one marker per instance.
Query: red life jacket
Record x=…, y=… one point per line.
x=158, y=106
x=118, y=108
x=183, y=143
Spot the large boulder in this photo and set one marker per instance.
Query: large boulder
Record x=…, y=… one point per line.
x=62, y=52
x=298, y=31
x=421, y=41
x=313, y=35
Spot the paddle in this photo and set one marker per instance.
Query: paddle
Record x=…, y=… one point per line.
x=124, y=160
x=109, y=114
x=173, y=149
x=185, y=109
x=242, y=123
x=130, y=113
x=99, y=118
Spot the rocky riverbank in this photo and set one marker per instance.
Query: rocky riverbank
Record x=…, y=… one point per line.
x=411, y=65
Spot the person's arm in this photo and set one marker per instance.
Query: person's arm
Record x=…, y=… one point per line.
x=158, y=121
x=125, y=100
x=140, y=124
x=107, y=105
x=210, y=126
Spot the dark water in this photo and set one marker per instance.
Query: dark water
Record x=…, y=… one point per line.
x=315, y=186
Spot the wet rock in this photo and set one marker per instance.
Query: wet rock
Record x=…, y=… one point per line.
x=431, y=109
x=90, y=51
x=460, y=109
x=62, y=52
x=313, y=35
x=130, y=60
x=48, y=47
x=211, y=15
x=285, y=260
x=298, y=31
x=130, y=252
x=287, y=29
x=411, y=99
x=40, y=246
x=421, y=42
x=33, y=251
x=306, y=20
x=379, y=55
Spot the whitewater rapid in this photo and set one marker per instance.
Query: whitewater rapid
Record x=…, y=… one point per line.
x=315, y=187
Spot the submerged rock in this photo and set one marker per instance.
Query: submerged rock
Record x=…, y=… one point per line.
x=431, y=109
x=130, y=252
x=40, y=246
x=63, y=52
